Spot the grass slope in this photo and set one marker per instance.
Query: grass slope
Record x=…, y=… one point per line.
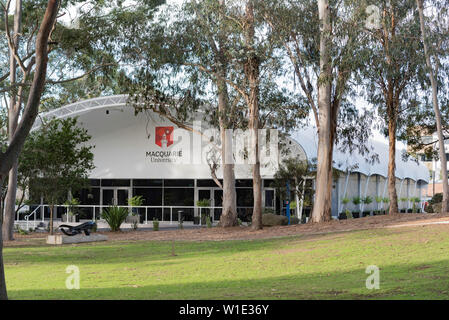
x=413, y=263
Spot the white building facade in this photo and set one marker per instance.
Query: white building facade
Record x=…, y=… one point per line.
x=147, y=155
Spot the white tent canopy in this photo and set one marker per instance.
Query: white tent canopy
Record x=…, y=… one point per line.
x=355, y=162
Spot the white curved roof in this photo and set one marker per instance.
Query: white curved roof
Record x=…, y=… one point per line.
x=308, y=139
x=80, y=107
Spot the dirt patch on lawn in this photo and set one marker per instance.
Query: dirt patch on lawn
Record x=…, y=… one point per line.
x=245, y=233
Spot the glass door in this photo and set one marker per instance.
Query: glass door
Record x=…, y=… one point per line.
x=205, y=194
x=122, y=197
x=115, y=196
x=108, y=196
x=270, y=199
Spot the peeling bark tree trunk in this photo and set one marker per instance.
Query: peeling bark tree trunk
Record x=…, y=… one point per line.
x=13, y=119
x=3, y=292
x=228, y=216
x=229, y=212
x=10, y=156
x=251, y=69
x=436, y=108
x=392, y=193
x=323, y=199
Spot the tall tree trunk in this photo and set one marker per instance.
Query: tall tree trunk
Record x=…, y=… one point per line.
x=251, y=69
x=436, y=108
x=10, y=156
x=10, y=205
x=392, y=124
x=52, y=207
x=323, y=199
x=13, y=118
x=3, y=292
x=229, y=211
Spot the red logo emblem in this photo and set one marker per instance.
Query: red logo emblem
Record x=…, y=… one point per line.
x=164, y=136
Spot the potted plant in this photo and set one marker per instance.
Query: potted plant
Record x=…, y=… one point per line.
x=403, y=200
x=379, y=201
x=386, y=201
x=72, y=211
x=135, y=201
x=344, y=215
x=367, y=201
x=204, y=203
x=356, y=201
x=415, y=200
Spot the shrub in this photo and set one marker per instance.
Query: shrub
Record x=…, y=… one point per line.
x=356, y=200
x=437, y=198
x=274, y=220
x=367, y=200
x=208, y=222
x=268, y=211
x=203, y=203
x=155, y=224
x=114, y=216
x=349, y=214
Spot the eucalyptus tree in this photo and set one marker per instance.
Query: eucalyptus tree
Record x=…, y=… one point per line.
x=434, y=46
x=396, y=65
x=323, y=42
x=82, y=61
x=202, y=56
x=9, y=156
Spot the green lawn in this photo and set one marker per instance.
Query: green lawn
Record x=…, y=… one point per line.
x=414, y=263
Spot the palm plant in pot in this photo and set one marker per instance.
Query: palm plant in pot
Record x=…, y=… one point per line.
x=134, y=202
x=379, y=201
x=356, y=201
x=72, y=211
x=346, y=214
x=386, y=201
x=204, y=203
x=367, y=201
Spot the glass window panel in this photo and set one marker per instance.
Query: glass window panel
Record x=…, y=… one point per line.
x=151, y=196
x=243, y=183
x=179, y=183
x=115, y=182
x=178, y=197
x=207, y=183
x=147, y=182
x=244, y=197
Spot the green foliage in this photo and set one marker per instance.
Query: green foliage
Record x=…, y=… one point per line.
x=155, y=224
x=203, y=203
x=437, y=198
x=114, y=216
x=345, y=200
x=356, y=200
x=386, y=200
x=136, y=201
x=208, y=222
x=293, y=172
x=379, y=199
x=367, y=200
x=55, y=159
x=403, y=199
x=72, y=206
x=348, y=214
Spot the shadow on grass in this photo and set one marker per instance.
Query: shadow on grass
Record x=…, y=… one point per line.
x=415, y=281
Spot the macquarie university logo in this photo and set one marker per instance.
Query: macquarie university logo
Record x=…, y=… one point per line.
x=164, y=136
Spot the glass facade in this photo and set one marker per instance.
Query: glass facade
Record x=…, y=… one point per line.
x=175, y=198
